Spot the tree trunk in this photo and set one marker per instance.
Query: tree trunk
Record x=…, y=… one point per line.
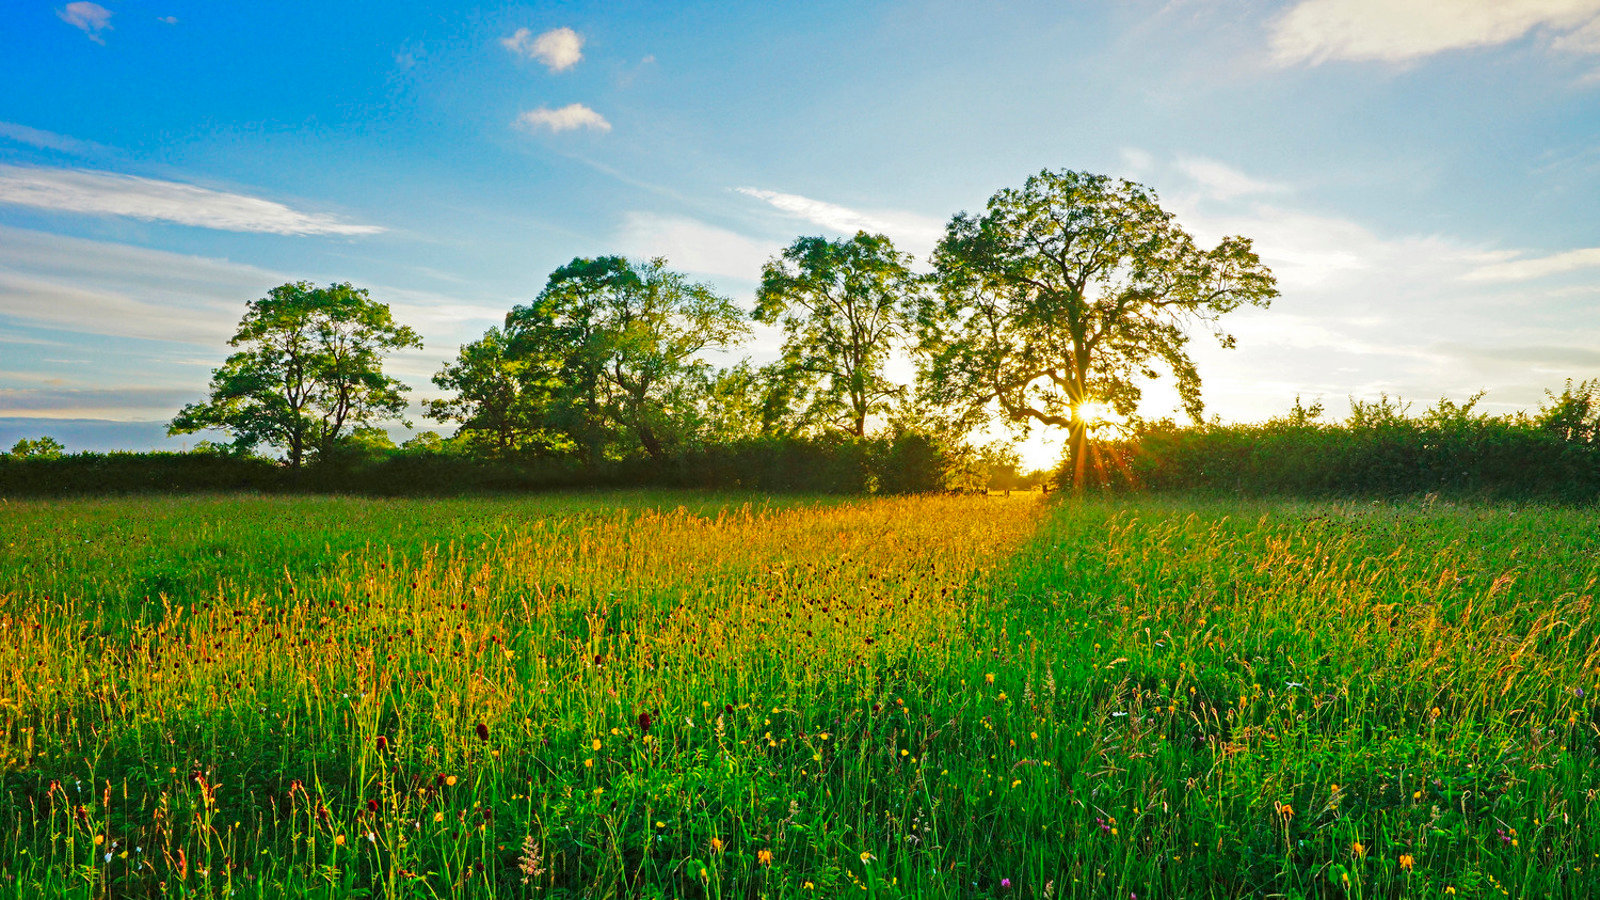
x=652, y=444
x=1078, y=452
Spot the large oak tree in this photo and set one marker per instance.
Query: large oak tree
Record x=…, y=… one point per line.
x=1070, y=291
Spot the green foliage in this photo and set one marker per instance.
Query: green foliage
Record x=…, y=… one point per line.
x=843, y=305
x=618, y=342
x=311, y=367
x=504, y=390
x=1574, y=414
x=37, y=448
x=1069, y=291
x=1380, y=450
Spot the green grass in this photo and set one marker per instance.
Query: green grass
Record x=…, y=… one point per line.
x=912, y=697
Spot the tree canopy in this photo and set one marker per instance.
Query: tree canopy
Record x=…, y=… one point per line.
x=1070, y=291
x=842, y=304
x=620, y=342
x=310, y=367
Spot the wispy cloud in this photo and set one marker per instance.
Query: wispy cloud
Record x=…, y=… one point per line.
x=916, y=232
x=568, y=118
x=149, y=199
x=90, y=18
x=48, y=140
x=1317, y=31
x=694, y=246
x=558, y=48
x=1511, y=268
x=1224, y=182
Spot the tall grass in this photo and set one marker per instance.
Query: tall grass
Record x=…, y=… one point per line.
x=616, y=696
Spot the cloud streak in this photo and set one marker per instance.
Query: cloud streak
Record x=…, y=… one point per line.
x=917, y=232
x=1318, y=31
x=571, y=117
x=152, y=200
x=1536, y=267
x=558, y=48
x=48, y=140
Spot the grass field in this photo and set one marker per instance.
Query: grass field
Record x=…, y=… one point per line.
x=685, y=695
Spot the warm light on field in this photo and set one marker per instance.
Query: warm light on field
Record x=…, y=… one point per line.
x=683, y=695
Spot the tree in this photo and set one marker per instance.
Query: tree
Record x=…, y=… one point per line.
x=38, y=448
x=1066, y=293
x=310, y=368
x=841, y=304
x=503, y=393
x=624, y=339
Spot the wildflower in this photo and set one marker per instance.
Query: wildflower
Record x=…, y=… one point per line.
x=483, y=732
x=1005, y=883
x=716, y=845
x=644, y=722
x=382, y=744
x=866, y=857
x=338, y=839
x=450, y=781
x=1406, y=861
x=989, y=678
x=764, y=857
x=1357, y=849
x=596, y=744
x=1285, y=810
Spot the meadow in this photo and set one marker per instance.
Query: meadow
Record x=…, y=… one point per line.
x=717, y=695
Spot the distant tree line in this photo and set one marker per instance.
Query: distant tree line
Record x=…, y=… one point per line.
x=1384, y=448
x=1066, y=293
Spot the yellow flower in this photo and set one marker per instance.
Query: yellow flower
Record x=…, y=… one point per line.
x=810, y=886
x=866, y=857
x=989, y=678
x=764, y=857
x=339, y=839
x=99, y=839
x=596, y=744
x=588, y=764
x=1406, y=861
x=450, y=781
x=716, y=845
x=438, y=817
x=1357, y=849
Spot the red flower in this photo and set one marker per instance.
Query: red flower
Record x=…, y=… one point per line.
x=483, y=732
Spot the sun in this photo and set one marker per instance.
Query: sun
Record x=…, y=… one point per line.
x=1095, y=411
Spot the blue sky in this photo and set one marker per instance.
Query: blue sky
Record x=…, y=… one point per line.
x=1421, y=175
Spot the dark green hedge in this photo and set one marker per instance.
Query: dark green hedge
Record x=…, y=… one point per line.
x=1489, y=458
x=906, y=464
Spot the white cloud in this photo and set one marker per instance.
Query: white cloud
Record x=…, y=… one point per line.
x=90, y=18
x=558, y=48
x=694, y=246
x=916, y=233
x=1510, y=268
x=110, y=194
x=1317, y=31
x=568, y=118
x=1224, y=182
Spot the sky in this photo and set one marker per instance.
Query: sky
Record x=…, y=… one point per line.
x=1421, y=176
